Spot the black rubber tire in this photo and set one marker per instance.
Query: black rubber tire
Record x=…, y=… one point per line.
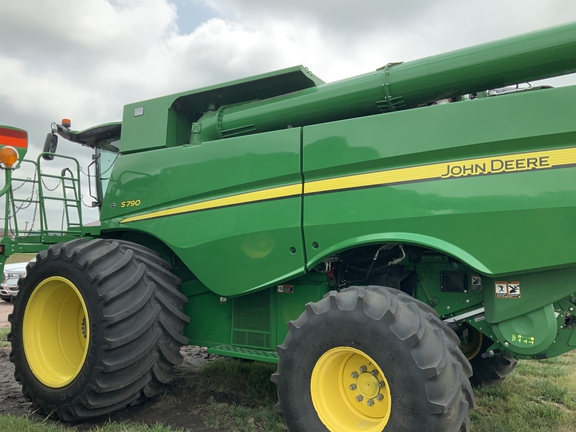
x=419, y=355
x=491, y=371
x=134, y=308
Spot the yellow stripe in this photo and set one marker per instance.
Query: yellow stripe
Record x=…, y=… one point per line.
x=273, y=193
x=453, y=169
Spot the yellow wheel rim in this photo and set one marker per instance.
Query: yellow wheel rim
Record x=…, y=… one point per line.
x=55, y=332
x=350, y=392
x=472, y=348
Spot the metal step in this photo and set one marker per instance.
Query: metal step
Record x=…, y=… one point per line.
x=245, y=353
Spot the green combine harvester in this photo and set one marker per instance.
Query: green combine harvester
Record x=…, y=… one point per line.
x=390, y=240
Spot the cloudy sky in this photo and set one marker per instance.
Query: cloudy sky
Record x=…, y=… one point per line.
x=85, y=59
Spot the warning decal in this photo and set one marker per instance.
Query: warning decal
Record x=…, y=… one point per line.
x=476, y=282
x=501, y=289
x=507, y=289
x=514, y=289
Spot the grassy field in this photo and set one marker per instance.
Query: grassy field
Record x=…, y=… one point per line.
x=537, y=397
x=4, y=337
x=16, y=258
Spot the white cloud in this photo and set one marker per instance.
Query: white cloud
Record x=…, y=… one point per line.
x=25, y=91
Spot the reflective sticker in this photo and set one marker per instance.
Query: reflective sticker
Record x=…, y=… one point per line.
x=527, y=340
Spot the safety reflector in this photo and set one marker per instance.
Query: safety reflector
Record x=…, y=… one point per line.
x=16, y=139
x=8, y=156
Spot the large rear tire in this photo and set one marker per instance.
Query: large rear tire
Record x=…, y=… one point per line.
x=98, y=325
x=372, y=359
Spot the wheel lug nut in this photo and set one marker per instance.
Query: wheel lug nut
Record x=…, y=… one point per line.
x=352, y=387
x=381, y=384
x=354, y=374
x=359, y=398
x=370, y=402
x=363, y=369
x=379, y=396
x=374, y=372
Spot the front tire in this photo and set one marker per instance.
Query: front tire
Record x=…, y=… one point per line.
x=98, y=325
x=490, y=371
x=372, y=359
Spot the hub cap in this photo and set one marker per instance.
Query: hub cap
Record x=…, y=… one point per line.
x=350, y=392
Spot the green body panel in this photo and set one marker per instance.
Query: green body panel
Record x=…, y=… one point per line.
x=446, y=303
x=208, y=332
x=537, y=290
x=254, y=321
x=572, y=340
x=252, y=245
x=295, y=294
x=530, y=333
x=480, y=219
x=491, y=222
x=166, y=121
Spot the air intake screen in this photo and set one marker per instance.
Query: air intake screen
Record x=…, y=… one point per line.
x=251, y=320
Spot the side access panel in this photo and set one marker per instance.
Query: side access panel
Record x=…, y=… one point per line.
x=230, y=209
x=250, y=325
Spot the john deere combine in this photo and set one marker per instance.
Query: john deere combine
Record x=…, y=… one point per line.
x=413, y=227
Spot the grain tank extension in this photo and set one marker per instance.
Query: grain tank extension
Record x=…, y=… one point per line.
x=413, y=226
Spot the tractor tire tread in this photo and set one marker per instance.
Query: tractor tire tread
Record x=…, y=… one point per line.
x=141, y=323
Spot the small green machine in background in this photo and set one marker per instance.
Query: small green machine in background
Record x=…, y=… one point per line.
x=389, y=240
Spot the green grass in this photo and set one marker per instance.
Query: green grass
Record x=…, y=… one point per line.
x=10, y=423
x=20, y=257
x=22, y=424
x=233, y=395
x=233, y=417
x=238, y=395
x=131, y=427
x=247, y=381
x=4, y=337
x=538, y=396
